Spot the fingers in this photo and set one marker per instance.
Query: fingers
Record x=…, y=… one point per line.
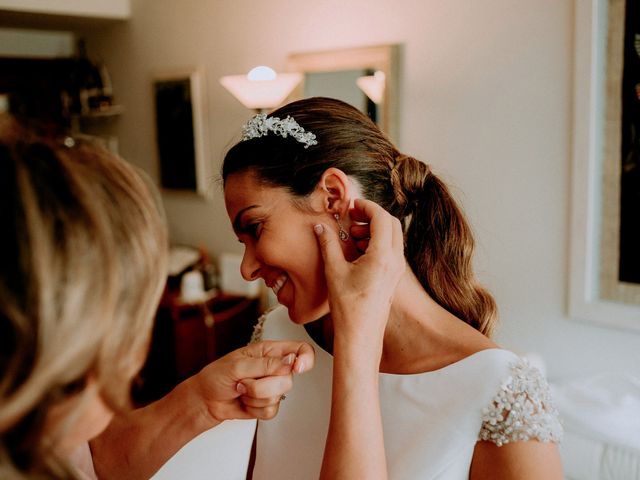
x=263, y=413
x=364, y=210
x=360, y=231
x=262, y=397
x=268, y=358
x=329, y=247
x=259, y=392
x=397, y=241
x=260, y=402
x=259, y=367
x=360, y=234
x=304, y=353
x=381, y=223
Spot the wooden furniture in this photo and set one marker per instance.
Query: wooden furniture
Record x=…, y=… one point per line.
x=188, y=336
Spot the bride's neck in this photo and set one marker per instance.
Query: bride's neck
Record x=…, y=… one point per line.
x=415, y=329
x=420, y=335
x=407, y=333
x=321, y=331
x=423, y=336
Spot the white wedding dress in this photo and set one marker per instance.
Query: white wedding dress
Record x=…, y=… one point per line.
x=431, y=420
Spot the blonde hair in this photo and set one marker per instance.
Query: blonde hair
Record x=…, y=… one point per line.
x=82, y=265
x=438, y=240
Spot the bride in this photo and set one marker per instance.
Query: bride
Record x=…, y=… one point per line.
x=454, y=404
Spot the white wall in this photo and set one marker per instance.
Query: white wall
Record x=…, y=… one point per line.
x=486, y=99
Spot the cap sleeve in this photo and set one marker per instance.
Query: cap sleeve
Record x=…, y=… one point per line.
x=522, y=410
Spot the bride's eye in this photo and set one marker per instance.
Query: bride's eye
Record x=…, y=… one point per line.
x=254, y=229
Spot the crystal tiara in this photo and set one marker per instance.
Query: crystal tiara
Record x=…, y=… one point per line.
x=260, y=125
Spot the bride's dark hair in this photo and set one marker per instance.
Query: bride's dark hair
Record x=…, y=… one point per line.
x=438, y=241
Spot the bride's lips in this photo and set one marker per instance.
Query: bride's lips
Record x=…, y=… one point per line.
x=279, y=283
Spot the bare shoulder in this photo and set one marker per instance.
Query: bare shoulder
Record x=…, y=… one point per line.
x=467, y=341
x=530, y=460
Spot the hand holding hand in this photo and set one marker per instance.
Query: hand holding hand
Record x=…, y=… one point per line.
x=249, y=382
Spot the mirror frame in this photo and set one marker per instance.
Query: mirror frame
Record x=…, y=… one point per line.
x=585, y=302
x=380, y=57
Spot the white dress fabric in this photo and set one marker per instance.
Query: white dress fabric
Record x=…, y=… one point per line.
x=431, y=420
x=221, y=453
x=81, y=462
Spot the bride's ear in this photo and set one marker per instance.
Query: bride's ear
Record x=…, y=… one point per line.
x=336, y=191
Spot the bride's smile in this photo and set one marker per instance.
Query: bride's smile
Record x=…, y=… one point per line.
x=279, y=245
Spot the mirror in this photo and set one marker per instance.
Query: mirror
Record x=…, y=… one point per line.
x=347, y=74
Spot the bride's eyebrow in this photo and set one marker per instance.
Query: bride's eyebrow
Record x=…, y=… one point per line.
x=237, y=221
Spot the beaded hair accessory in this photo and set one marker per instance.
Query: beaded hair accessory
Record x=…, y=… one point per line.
x=260, y=125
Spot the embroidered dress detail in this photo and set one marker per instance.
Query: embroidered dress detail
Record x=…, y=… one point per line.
x=522, y=410
x=260, y=125
x=258, y=328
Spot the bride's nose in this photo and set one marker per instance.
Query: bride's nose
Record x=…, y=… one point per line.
x=250, y=266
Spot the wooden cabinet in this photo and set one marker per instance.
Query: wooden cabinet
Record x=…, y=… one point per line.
x=188, y=336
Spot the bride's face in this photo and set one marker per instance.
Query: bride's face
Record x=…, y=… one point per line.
x=279, y=245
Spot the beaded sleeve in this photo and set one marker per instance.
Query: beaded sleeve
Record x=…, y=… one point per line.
x=522, y=410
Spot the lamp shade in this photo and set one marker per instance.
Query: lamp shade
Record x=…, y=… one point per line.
x=261, y=89
x=373, y=86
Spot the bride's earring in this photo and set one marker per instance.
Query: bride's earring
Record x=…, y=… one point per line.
x=342, y=233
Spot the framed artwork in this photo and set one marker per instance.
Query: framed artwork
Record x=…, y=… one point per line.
x=183, y=147
x=620, y=249
x=605, y=235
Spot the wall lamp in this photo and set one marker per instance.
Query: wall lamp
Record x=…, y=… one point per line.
x=262, y=89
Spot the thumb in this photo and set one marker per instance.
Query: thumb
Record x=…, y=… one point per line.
x=329, y=247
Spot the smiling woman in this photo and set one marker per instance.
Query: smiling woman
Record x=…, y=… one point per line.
x=271, y=228
x=453, y=404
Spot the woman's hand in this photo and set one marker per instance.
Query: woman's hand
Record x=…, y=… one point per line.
x=360, y=296
x=136, y=444
x=249, y=382
x=361, y=292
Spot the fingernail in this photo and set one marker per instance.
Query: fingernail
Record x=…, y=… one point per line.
x=241, y=389
x=288, y=360
x=299, y=368
x=318, y=229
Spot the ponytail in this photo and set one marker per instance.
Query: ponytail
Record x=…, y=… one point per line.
x=439, y=244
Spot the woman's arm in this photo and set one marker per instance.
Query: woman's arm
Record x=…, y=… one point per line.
x=529, y=460
x=246, y=383
x=355, y=445
x=360, y=295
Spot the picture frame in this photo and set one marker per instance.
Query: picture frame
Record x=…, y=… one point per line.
x=587, y=300
x=181, y=131
x=620, y=236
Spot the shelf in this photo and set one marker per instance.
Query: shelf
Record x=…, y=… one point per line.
x=111, y=111
x=114, y=9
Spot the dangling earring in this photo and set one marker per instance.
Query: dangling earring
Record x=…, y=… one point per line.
x=344, y=236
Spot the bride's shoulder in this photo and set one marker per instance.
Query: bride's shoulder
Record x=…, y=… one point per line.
x=522, y=407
